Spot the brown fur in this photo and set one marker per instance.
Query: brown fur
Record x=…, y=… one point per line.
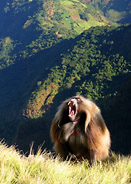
x=89, y=138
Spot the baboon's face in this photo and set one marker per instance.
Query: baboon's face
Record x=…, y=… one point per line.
x=73, y=107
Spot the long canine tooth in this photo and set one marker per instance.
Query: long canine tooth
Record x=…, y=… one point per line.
x=73, y=101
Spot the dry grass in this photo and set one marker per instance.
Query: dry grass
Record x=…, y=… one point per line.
x=43, y=168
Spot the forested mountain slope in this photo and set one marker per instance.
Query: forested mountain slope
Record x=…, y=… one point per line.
x=95, y=66
x=28, y=26
x=113, y=10
x=48, y=52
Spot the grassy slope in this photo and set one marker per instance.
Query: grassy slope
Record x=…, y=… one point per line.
x=40, y=169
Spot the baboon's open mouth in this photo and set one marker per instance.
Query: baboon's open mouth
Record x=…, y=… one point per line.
x=72, y=108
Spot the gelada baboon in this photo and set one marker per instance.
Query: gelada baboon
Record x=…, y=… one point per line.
x=79, y=129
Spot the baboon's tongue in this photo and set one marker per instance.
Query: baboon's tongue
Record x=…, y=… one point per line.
x=71, y=111
x=72, y=108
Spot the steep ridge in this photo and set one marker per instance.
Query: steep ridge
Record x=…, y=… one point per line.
x=39, y=49
x=88, y=68
x=96, y=67
x=29, y=26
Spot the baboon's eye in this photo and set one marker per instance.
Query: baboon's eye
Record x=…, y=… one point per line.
x=78, y=100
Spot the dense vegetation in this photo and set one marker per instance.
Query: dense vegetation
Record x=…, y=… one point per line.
x=88, y=68
x=28, y=26
x=41, y=24
x=95, y=66
x=48, y=52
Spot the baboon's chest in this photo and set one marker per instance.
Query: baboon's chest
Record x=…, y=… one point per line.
x=76, y=141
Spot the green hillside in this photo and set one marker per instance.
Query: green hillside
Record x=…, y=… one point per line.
x=93, y=67
x=52, y=49
x=96, y=65
x=113, y=10
x=29, y=26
